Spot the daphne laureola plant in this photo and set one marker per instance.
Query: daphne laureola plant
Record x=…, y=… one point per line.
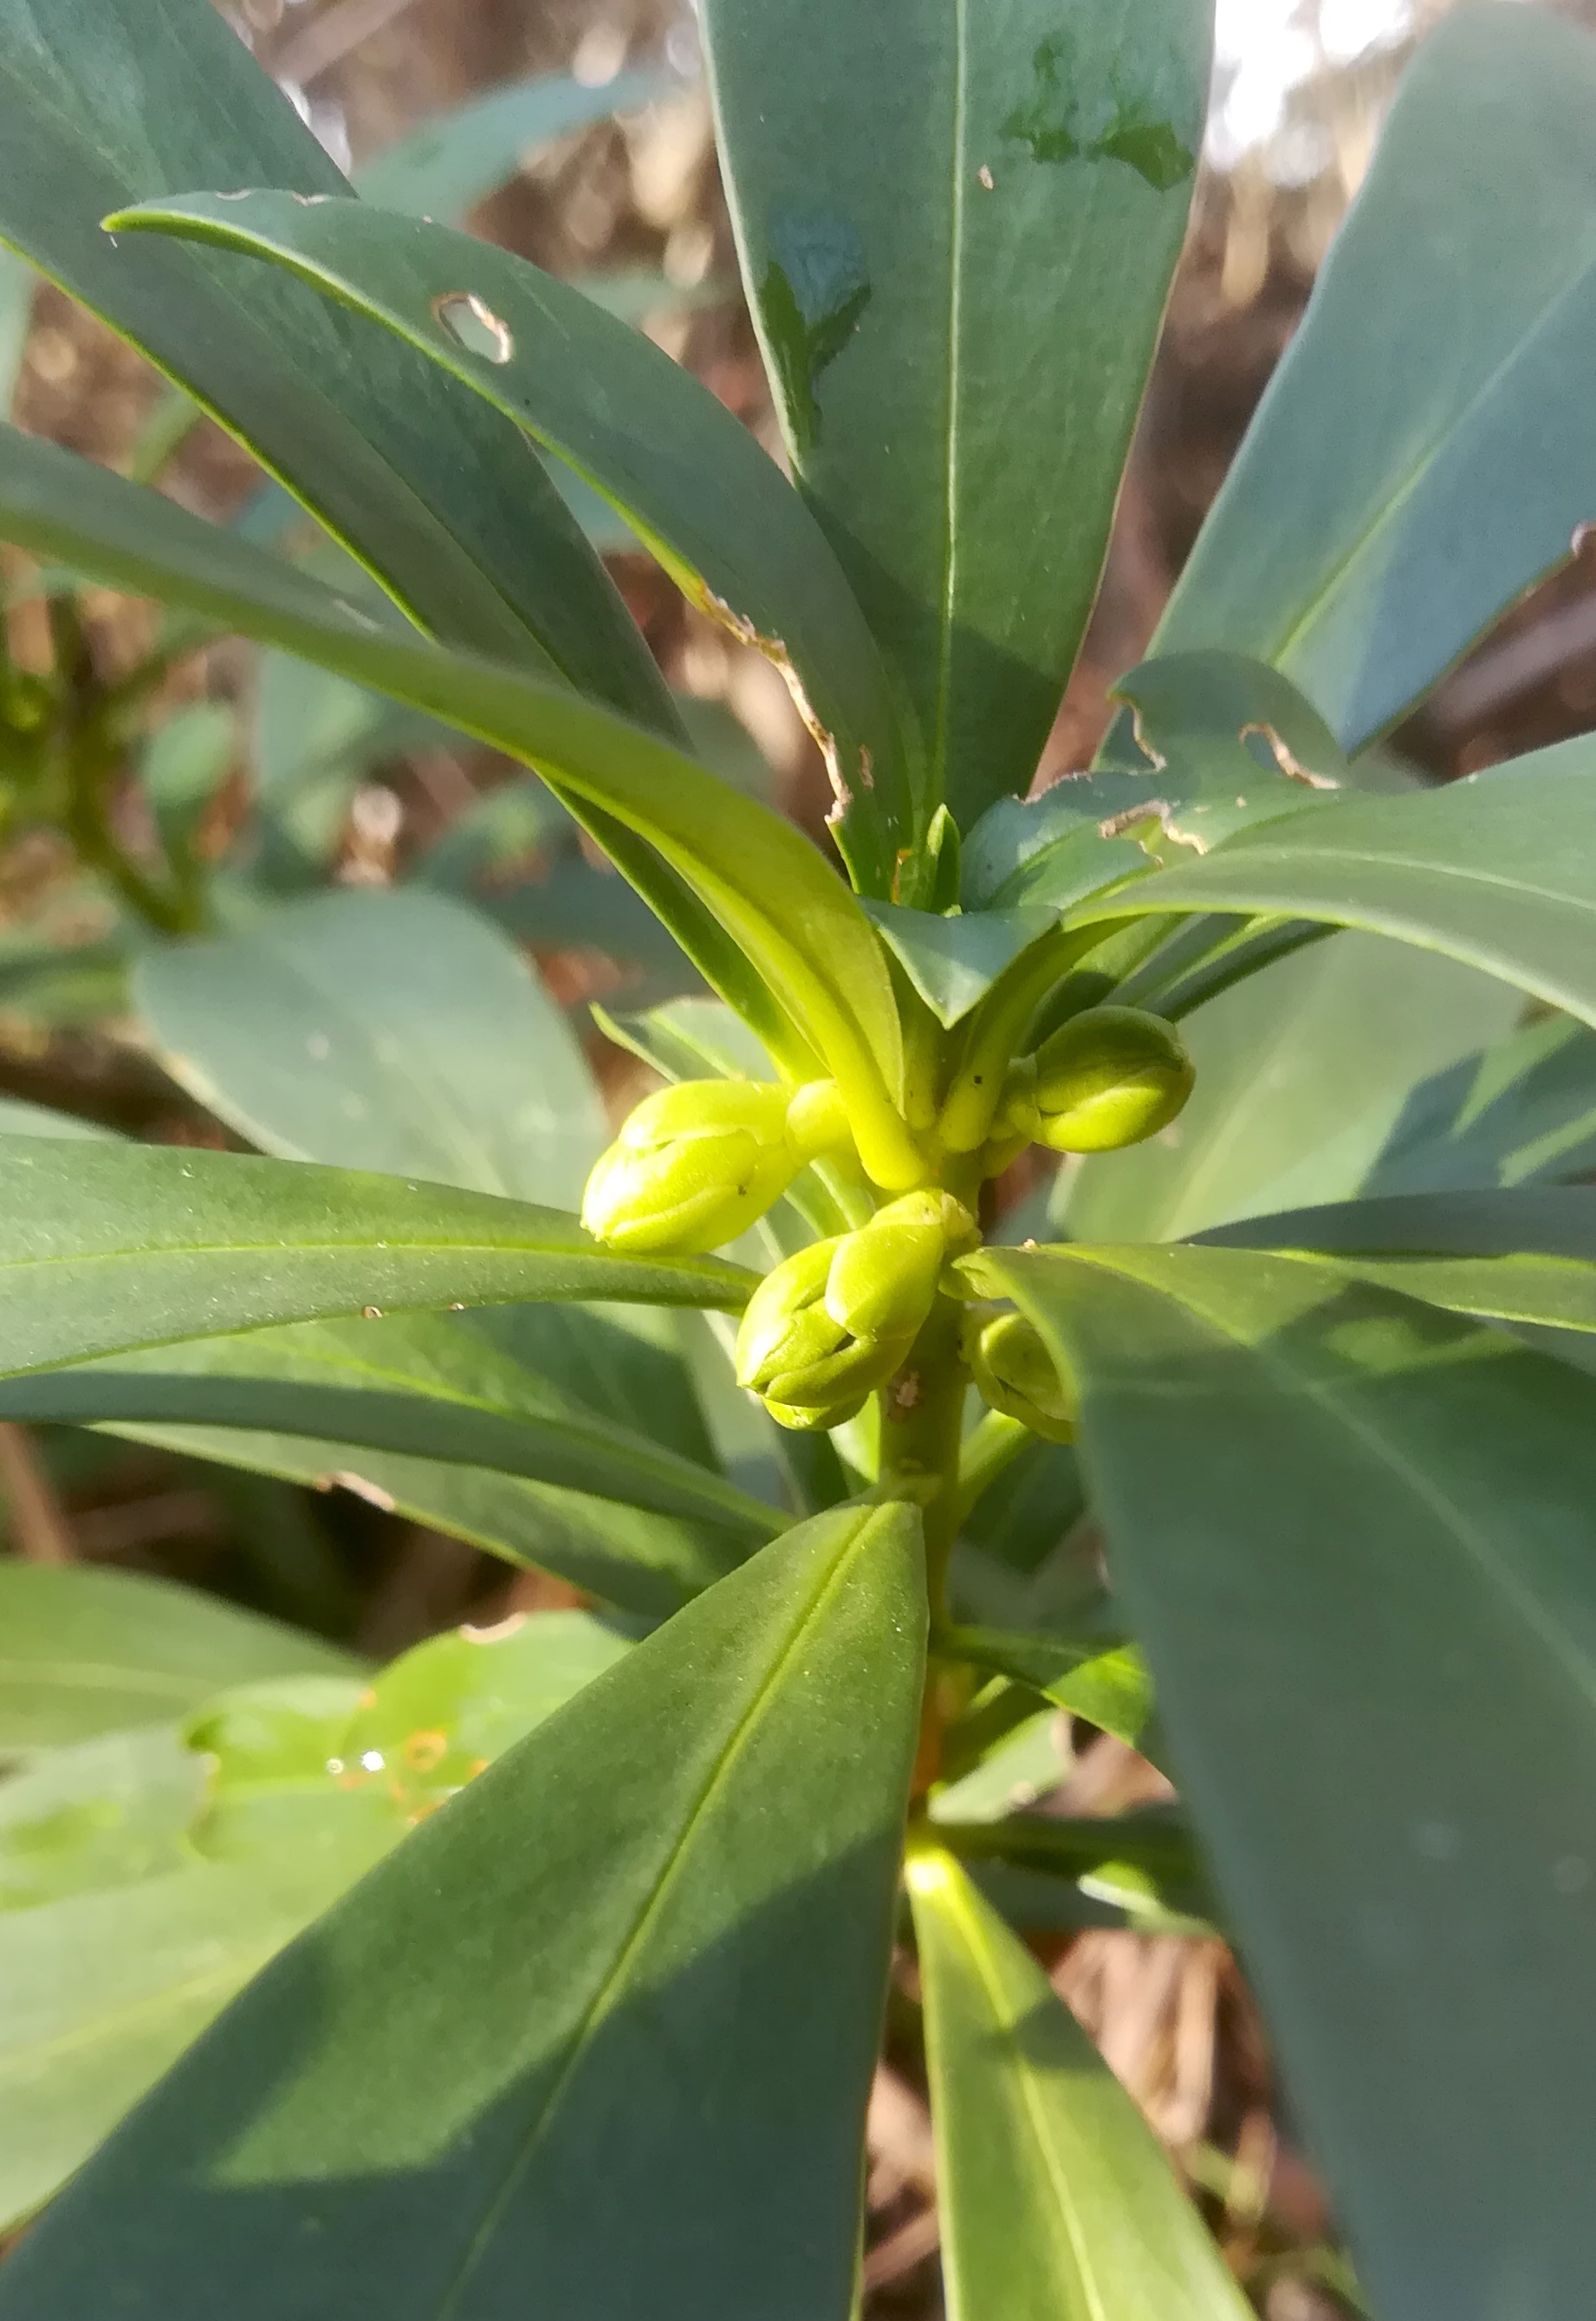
x=1302, y=1330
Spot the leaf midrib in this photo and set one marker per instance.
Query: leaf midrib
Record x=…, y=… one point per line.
x=603, y=1999
x=1022, y=2078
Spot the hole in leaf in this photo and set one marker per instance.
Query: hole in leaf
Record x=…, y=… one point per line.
x=475, y=326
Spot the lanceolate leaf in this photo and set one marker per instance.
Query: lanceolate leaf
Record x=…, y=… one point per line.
x=1056, y=2200
x=689, y=479
x=445, y=502
x=408, y=2103
x=105, y=1248
x=1108, y=1687
x=772, y=892
x=1525, y=1257
x=1343, y=1525
x=1498, y=869
x=1301, y=1071
x=85, y=1652
x=1417, y=460
x=958, y=311
x=446, y=1397
x=381, y=1028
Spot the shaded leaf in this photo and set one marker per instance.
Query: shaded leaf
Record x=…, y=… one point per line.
x=413, y=2096
x=1274, y=1451
x=1524, y=1108
x=85, y=1652
x=454, y=159
x=380, y=1029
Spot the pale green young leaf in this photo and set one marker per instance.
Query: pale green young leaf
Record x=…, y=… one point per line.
x=1497, y=870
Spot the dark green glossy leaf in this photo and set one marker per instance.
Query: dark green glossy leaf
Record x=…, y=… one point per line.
x=984, y=258
x=1057, y=2203
x=380, y=1029
x=408, y=2103
x=85, y=1652
x=691, y=482
x=441, y=498
x=1497, y=870
x=1341, y=1523
x=772, y=892
x=1524, y=1108
x=105, y=1248
x=1301, y=1072
x=454, y=159
x=1417, y=460
x=421, y=1388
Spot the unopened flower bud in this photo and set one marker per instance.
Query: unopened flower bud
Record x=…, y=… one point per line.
x=883, y=1278
x=1016, y=1374
x=795, y=1357
x=696, y=1164
x=1109, y=1078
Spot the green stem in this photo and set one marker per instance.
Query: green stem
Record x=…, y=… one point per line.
x=920, y=1414
x=89, y=774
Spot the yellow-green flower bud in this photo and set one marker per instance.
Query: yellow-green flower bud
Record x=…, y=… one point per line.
x=1016, y=1373
x=883, y=1278
x=793, y=1354
x=1108, y=1077
x=696, y=1164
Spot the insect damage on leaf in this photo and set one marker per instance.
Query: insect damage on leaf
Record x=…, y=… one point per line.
x=1060, y=123
x=776, y=653
x=812, y=297
x=472, y=324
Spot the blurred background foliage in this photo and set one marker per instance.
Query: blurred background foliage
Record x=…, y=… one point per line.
x=220, y=781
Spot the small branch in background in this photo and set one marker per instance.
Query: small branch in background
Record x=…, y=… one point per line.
x=330, y=38
x=39, y=1523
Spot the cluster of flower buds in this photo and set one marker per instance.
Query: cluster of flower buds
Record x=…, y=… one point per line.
x=696, y=1164
x=834, y=1322
x=1108, y=1077
x=1017, y=1375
